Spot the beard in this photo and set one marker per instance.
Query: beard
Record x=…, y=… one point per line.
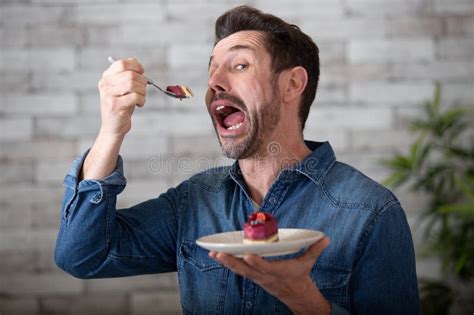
x=261, y=125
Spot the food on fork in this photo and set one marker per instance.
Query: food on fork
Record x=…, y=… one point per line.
x=260, y=227
x=180, y=91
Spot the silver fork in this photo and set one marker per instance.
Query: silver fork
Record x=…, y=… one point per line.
x=150, y=82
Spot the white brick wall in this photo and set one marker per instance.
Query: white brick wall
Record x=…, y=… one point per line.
x=14, y=15
x=460, y=25
x=390, y=50
x=69, y=127
x=387, y=8
x=164, y=281
x=330, y=28
x=25, y=306
x=380, y=59
x=14, y=81
x=139, y=190
x=107, y=304
x=43, y=149
x=444, y=71
x=456, y=6
x=51, y=170
x=350, y=117
x=16, y=172
x=172, y=123
x=11, y=217
x=147, y=303
x=38, y=105
x=80, y=81
x=455, y=49
x=50, y=35
x=389, y=139
x=31, y=283
x=126, y=13
x=38, y=59
x=383, y=94
x=143, y=146
x=182, y=56
x=418, y=26
x=16, y=128
x=26, y=239
x=298, y=12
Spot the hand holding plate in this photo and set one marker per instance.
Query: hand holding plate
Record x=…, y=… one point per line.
x=289, y=280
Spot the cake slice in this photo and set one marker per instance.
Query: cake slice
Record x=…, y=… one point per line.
x=260, y=227
x=180, y=91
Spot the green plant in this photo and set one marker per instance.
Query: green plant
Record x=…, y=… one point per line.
x=440, y=163
x=435, y=297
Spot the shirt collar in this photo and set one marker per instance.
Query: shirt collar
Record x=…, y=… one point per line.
x=314, y=166
x=318, y=163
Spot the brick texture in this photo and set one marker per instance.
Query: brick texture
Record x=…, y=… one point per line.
x=380, y=60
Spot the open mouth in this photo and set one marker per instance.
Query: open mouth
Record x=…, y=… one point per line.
x=228, y=116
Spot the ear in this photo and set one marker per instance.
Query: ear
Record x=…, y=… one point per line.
x=295, y=81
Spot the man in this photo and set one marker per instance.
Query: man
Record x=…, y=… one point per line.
x=263, y=75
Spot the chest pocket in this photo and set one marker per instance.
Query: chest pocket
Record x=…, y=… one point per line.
x=333, y=282
x=203, y=281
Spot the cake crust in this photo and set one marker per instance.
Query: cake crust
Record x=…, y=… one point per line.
x=260, y=227
x=180, y=91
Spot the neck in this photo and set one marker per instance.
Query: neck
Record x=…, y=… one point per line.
x=261, y=170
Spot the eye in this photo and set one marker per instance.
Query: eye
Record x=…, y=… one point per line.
x=241, y=67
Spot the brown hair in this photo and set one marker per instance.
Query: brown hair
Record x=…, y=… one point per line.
x=288, y=46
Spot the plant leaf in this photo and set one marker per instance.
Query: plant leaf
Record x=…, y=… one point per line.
x=396, y=179
x=464, y=209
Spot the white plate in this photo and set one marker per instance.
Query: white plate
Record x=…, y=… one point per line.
x=290, y=241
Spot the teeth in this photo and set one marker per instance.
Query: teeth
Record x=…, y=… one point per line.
x=219, y=108
x=235, y=127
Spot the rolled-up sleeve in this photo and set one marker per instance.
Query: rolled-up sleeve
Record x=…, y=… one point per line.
x=97, y=240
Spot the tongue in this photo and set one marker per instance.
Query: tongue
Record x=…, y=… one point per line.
x=233, y=119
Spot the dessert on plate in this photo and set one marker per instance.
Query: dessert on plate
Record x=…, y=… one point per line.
x=260, y=227
x=180, y=91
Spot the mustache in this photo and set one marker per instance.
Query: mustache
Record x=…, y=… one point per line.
x=227, y=97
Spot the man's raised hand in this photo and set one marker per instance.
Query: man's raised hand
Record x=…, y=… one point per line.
x=122, y=88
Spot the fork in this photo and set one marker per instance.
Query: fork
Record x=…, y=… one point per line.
x=151, y=82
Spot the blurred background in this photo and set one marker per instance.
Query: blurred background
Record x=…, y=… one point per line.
x=380, y=60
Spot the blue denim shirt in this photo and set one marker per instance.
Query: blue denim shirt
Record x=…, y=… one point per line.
x=369, y=267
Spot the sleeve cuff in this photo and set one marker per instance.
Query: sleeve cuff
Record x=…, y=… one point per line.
x=116, y=178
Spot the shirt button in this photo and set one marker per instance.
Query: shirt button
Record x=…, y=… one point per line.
x=248, y=304
x=272, y=200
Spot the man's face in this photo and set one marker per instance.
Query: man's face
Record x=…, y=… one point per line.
x=242, y=97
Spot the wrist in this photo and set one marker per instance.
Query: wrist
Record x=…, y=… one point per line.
x=102, y=158
x=110, y=136
x=308, y=300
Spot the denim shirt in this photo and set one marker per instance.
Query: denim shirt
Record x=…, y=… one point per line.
x=369, y=267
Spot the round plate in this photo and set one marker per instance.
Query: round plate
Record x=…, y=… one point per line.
x=289, y=241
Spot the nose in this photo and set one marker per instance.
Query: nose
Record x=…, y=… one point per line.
x=218, y=81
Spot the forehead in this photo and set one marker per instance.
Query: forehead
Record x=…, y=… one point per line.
x=253, y=39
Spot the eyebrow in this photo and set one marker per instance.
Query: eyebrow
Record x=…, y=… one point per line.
x=234, y=48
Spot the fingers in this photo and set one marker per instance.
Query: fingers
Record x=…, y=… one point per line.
x=132, y=100
x=122, y=77
x=122, y=88
x=115, y=85
x=119, y=88
x=122, y=104
x=236, y=265
x=260, y=270
x=259, y=263
x=122, y=65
